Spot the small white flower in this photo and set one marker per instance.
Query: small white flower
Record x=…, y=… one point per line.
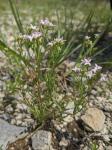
x=50, y=44
x=56, y=41
x=46, y=22
x=97, y=35
x=42, y=49
x=76, y=69
x=27, y=37
x=59, y=40
x=90, y=74
x=86, y=61
x=103, y=77
x=36, y=35
x=33, y=27
x=96, y=68
x=80, y=106
x=87, y=37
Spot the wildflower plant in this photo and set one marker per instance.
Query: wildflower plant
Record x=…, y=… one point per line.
x=35, y=66
x=34, y=70
x=85, y=75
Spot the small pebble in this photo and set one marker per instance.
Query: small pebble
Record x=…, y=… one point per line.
x=64, y=142
x=9, y=109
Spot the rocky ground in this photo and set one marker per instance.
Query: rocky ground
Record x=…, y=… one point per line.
x=91, y=129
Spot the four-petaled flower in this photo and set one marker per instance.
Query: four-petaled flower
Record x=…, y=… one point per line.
x=76, y=69
x=103, y=77
x=27, y=37
x=46, y=22
x=86, y=61
x=90, y=74
x=96, y=68
x=36, y=35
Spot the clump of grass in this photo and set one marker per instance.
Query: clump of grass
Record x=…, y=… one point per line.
x=94, y=146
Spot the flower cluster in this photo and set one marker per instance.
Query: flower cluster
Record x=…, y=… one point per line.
x=91, y=71
x=32, y=36
x=86, y=61
x=57, y=41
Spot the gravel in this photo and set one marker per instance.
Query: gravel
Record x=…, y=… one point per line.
x=71, y=129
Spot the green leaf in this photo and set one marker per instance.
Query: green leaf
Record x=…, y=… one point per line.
x=5, y=49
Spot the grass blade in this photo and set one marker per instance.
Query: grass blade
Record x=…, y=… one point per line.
x=5, y=49
x=16, y=15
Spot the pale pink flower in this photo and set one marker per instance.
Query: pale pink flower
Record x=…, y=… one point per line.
x=46, y=22
x=50, y=44
x=59, y=40
x=103, y=77
x=96, y=68
x=86, y=61
x=76, y=69
x=27, y=37
x=56, y=41
x=36, y=35
x=90, y=74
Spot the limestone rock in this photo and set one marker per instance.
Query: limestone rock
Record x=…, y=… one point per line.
x=21, y=142
x=8, y=132
x=42, y=140
x=94, y=119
